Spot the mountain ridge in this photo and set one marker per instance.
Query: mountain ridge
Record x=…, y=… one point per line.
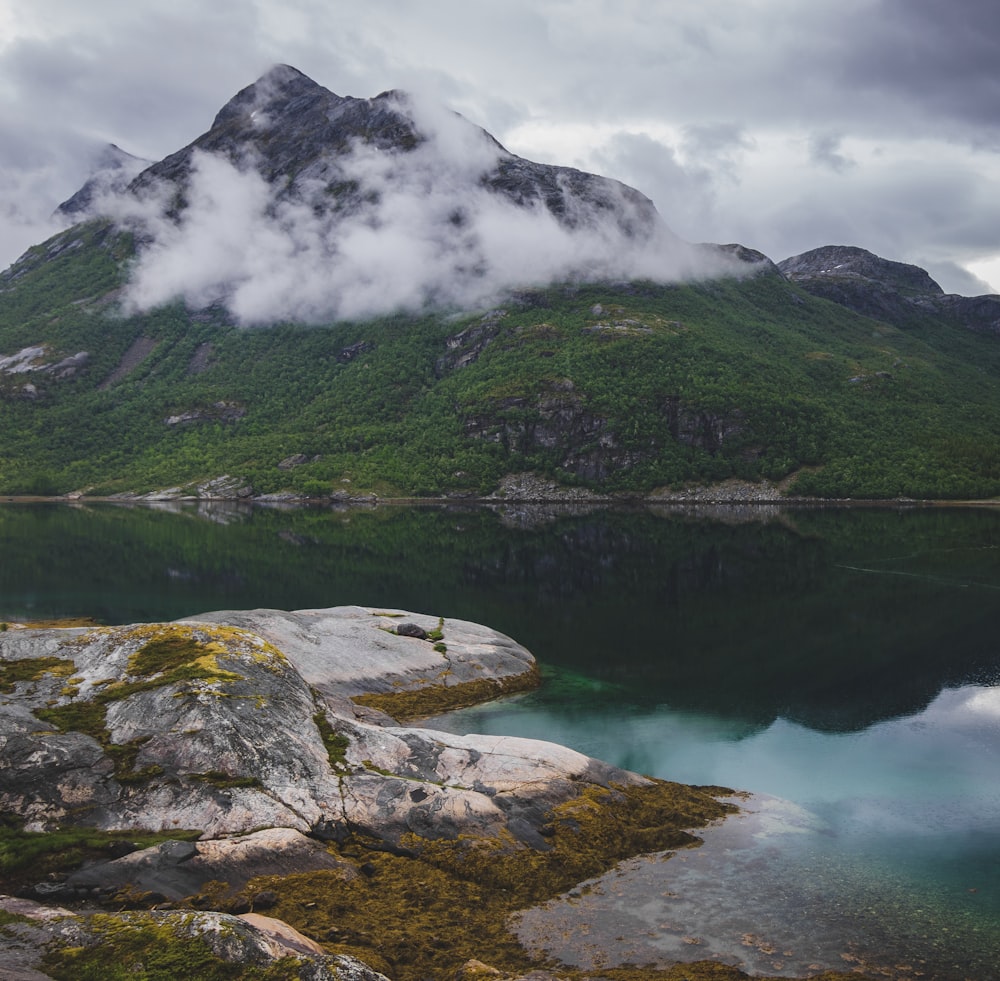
x=421, y=340
x=882, y=288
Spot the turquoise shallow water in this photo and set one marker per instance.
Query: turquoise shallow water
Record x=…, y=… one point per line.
x=840, y=663
x=878, y=847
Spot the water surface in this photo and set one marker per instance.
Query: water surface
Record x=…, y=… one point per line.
x=843, y=663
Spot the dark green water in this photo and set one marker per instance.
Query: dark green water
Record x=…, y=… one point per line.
x=845, y=661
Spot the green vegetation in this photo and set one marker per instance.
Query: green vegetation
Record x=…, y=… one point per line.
x=31, y=669
x=140, y=947
x=27, y=856
x=336, y=743
x=421, y=703
x=620, y=387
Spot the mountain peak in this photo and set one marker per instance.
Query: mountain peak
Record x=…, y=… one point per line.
x=270, y=94
x=887, y=290
x=112, y=170
x=852, y=262
x=300, y=203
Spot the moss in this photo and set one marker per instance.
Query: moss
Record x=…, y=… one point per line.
x=420, y=703
x=336, y=743
x=60, y=623
x=139, y=947
x=427, y=913
x=33, y=669
x=162, y=654
x=90, y=718
x=27, y=856
x=7, y=918
x=219, y=778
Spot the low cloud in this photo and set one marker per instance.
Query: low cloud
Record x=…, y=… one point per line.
x=370, y=232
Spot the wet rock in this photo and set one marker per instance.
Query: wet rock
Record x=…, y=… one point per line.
x=411, y=630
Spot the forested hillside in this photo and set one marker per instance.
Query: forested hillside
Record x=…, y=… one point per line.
x=621, y=387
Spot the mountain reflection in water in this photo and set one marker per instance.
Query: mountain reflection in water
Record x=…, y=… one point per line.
x=841, y=660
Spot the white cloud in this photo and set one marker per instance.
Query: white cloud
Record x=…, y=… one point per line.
x=421, y=228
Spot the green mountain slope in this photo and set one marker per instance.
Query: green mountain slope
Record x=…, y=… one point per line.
x=624, y=387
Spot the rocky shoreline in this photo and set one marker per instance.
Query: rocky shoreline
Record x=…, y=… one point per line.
x=241, y=787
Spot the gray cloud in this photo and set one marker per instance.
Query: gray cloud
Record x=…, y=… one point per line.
x=809, y=94
x=825, y=151
x=684, y=192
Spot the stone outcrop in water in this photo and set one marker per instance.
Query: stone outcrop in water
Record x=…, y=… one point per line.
x=237, y=721
x=266, y=736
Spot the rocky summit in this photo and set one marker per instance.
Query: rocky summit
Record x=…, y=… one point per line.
x=890, y=291
x=297, y=134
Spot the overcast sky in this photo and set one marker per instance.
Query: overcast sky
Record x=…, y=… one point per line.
x=781, y=124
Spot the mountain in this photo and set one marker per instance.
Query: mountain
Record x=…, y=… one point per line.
x=304, y=205
x=891, y=291
x=338, y=297
x=301, y=135
x=113, y=171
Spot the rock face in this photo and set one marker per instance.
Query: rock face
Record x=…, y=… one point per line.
x=296, y=131
x=887, y=290
x=113, y=170
x=23, y=372
x=240, y=720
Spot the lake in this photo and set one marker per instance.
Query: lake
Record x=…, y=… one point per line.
x=841, y=663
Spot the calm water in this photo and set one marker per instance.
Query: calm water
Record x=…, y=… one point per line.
x=841, y=664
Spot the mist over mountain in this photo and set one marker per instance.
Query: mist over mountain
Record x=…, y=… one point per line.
x=299, y=204
x=448, y=319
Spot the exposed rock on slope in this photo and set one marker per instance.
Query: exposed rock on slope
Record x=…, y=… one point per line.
x=887, y=290
x=295, y=132
x=22, y=372
x=114, y=169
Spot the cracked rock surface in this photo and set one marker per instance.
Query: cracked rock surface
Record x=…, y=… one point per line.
x=231, y=722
